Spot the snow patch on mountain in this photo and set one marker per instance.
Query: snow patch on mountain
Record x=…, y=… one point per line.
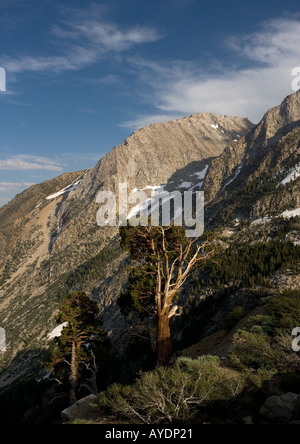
x=156, y=190
x=239, y=169
x=292, y=213
x=293, y=175
x=185, y=185
x=202, y=174
x=68, y=189
x=262, y=221
x=57, y=331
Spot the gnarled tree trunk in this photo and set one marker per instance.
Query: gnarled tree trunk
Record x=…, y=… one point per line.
x=164, y=349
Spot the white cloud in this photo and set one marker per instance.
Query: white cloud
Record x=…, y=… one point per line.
x=83, y=38
x=107, y=36
x=12, y=186
x=8, y=190
x=25, y=162
x=90, y=111
x=260, y=77
x=149, y=119
x=75, y=59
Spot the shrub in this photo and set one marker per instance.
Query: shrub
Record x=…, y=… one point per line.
x=263, y=324
x=286, y=311
x=267, y=347
x=254, y=350
x=234, y=317
x=170, y=395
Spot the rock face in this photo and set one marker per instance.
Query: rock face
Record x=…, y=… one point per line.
x=255, y=165
x=171, y=153
x=282, y=408
x=26, y=205
x=152, y=155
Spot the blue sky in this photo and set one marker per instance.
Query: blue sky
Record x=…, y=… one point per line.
x=82, y=75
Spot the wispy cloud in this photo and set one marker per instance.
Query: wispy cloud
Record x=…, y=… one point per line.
x=25, y=162
x=259, y=78
x=83, y=37
x=106, y=36
x=13, y=186
x=9, y=189
x=90, y=111
x=75, y=59
x=148, y=120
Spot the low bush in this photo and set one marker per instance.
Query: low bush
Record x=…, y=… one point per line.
x=254, y=350
x=174, y=394
x=285, y=310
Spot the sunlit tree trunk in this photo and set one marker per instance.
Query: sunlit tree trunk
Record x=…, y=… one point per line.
x=164, y=348
x=170, y=277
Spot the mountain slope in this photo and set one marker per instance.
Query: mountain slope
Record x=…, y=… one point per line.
x=169, y=153
x=12, y=215
x=50, y=241
x=246, y=180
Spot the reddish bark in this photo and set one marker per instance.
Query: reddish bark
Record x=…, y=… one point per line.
x=164, y=349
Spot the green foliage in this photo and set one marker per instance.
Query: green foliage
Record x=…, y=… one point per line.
x=93, y=269
x=250, y=264
x=79, y=421
x=79, y=311
x=254, y=350
x=144, y=242
x=285, y=226
x=140, y=295
x=175, y=394
x=256, y=188
x=265, y=323
x=285, y=310
x=74, y=348
x=268, y=344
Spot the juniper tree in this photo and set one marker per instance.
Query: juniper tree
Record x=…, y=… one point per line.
x=166, y=257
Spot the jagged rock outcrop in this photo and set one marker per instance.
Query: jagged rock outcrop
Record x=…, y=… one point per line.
x=268, y=153
x=152, y=155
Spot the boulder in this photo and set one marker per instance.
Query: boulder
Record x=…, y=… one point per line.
x=78, y=410
x=248, y=420
x=283, y=408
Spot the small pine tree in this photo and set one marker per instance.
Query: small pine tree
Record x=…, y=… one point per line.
x=73, y=356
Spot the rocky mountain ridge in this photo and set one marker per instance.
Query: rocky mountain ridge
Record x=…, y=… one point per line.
x=59, y=246
x=268, y=153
